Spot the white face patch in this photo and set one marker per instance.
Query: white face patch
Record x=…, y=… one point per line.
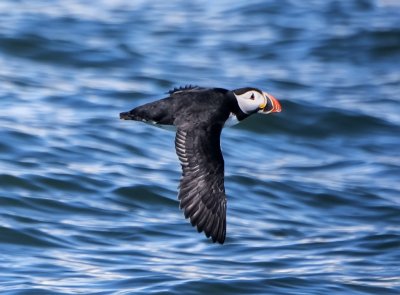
x=251, y=101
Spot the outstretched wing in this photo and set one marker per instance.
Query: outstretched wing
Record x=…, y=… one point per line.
x=202, y=191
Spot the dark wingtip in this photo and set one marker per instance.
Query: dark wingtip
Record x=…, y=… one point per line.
x=221, y=235
x=216, y=237
x=220, y=240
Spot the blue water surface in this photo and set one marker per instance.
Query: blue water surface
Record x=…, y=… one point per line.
x=88, y=202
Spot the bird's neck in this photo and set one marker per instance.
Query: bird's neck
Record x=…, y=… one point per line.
x=236, y=111
x=232, y=120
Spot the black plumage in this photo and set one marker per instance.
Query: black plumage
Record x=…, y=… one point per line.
x=199, y=114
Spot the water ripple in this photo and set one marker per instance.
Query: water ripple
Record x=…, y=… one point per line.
x=88, y=203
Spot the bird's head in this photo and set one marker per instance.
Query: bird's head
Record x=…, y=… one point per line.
x=253, y=100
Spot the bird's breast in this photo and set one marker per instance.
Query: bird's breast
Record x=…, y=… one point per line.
x=232, y=120
x=162, y=126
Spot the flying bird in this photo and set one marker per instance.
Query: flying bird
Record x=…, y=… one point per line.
x=199, y=114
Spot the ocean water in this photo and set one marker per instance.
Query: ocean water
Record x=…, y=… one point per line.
x=88, y=203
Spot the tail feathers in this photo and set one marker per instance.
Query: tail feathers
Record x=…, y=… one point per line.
x=133, y=115
x=156, y=112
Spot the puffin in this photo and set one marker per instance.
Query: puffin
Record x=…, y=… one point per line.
x=198, y=115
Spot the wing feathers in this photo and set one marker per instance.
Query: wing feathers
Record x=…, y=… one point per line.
x=202, y=192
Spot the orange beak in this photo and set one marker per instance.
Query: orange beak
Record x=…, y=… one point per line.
x=272, y=105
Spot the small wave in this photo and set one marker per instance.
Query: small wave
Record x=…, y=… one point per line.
x=362, y=46
x=316, y=121
x=28, y=237
x=15, y=182
x=64, y=52
x=145, y=196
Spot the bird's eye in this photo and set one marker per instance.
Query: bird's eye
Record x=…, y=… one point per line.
x=252, y=96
